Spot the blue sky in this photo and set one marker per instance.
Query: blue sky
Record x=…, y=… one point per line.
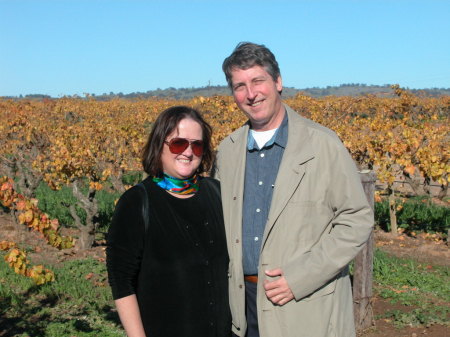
x=69, y=47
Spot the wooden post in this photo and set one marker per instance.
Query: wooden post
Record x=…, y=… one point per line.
x=362, y=276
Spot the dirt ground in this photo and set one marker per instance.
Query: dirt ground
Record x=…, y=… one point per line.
x=385, y=328
x=425, y=248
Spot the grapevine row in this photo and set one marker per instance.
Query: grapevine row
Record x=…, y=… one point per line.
x=89, y=145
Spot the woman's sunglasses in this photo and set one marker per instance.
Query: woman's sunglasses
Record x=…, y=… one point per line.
x=179, y=145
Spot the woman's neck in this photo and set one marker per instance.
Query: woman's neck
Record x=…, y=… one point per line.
x=180, y=188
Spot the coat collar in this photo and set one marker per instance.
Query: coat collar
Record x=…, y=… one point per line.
x=298, y=137
x=240, y=135
x=299, y=149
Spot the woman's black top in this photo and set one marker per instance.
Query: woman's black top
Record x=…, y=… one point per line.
x=178, y=268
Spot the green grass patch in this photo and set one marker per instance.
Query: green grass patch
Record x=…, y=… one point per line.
x=421, y=289
x=55, y=204
x=416, y=214
x=78, y=303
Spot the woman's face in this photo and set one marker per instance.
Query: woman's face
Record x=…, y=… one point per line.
x=185, y=164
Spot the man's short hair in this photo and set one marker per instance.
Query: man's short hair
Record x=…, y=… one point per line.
x=247, y=55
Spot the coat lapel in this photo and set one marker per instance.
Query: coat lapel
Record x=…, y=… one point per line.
x=292, y=167
x=237, y=167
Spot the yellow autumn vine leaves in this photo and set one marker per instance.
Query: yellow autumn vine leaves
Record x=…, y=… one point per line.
x=29, y=215
x=17, y=260
x=96, y=139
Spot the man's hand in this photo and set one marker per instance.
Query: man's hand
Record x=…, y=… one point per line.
x=277, y=291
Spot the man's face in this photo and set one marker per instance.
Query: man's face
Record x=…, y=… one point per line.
x=257, y=95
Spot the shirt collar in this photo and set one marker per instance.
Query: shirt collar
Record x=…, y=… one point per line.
x=280, y=137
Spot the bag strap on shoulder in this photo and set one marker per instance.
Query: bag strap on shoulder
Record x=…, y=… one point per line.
x=145, y=206
x=214, y=186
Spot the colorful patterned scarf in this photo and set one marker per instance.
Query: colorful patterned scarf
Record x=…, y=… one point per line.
x=178, y=186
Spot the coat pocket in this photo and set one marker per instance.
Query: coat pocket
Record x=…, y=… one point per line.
x=327, y=289
x=310, y=316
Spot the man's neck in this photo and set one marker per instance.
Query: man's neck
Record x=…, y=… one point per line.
x=272, y=124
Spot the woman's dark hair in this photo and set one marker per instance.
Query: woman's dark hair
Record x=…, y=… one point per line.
x=247, y=55
x=164, y=125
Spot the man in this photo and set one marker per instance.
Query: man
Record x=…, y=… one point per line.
x=294, y=208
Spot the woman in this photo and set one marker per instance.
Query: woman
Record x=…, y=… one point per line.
x=171, y=279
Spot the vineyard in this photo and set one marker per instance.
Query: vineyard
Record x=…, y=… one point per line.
x=87, y=152
x=89, y=146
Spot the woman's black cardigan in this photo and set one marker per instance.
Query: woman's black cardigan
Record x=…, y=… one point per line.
x=178, y=268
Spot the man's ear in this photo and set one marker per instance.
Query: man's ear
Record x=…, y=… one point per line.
x=279, y=84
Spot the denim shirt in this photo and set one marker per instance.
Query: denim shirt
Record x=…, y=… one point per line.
x=261, y=171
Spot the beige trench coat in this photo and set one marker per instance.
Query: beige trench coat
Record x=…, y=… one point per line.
x=318, y=221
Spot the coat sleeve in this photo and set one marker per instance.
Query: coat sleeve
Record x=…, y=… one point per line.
x=125, y=243
x=215, y=172
x=350, y=227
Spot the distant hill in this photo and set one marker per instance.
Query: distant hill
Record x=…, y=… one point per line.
x=342, y=90
x=351, y=89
